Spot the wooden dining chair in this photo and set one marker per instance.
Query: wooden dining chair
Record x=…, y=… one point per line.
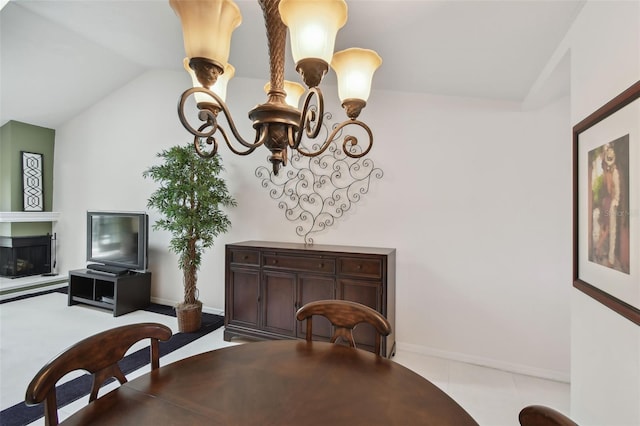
x=344, y=316
x=539, y=415
x=99, y=355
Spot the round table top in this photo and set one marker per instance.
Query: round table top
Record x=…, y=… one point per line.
x=281, y=382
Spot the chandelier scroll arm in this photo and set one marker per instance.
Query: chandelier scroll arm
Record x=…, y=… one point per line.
x=348, y=140
x=308, y=116
x=209, y=114
x=352, y=139
x=310, y=120
x=197, y=143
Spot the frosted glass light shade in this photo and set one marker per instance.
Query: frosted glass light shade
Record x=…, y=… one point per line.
x=313, y=26
x=207, y=26
x=354, y=68
x=219, y=88
x=294, y=91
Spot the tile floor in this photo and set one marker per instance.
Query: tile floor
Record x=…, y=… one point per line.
x=34, y=330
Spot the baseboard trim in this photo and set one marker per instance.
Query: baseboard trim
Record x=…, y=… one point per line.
x=21, y=290
x=559, y=376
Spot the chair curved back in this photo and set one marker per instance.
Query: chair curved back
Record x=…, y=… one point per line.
x=539, y=415
x=344, y=316
x=99, y=355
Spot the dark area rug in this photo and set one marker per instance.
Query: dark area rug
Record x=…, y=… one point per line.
x=20, y=414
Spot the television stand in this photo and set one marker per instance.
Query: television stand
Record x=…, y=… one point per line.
x=119, y=294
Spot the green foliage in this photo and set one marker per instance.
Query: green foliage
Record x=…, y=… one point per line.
x=190, y=198
x=597, y=189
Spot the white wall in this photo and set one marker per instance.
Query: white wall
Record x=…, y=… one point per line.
x=473, y=206
x=605, y=347
x=475, y=198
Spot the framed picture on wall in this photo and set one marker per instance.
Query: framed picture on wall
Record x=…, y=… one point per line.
x=606, y=204
x=32, y=182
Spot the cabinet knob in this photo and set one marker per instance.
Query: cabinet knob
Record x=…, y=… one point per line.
x=245, y=257
x=321, y=265
x=274, y=261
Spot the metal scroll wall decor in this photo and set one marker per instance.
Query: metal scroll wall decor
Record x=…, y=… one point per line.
x=318, y=190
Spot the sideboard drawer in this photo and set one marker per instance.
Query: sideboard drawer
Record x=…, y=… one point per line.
x=369, y=268
x=300, y=263
x=246, y=257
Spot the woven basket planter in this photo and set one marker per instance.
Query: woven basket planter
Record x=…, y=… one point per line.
x=189, y=318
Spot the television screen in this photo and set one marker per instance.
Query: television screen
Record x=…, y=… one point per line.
x=117, y=239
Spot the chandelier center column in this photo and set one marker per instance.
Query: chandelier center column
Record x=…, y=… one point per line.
x=276, y=39
x=276, y=120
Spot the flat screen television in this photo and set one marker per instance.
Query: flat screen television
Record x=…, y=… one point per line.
x=118, y=239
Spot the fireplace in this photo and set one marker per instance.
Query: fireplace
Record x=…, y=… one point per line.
x=24, y=256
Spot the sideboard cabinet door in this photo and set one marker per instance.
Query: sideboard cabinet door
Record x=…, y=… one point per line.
x=242, y=291
x=244, y=297
x=278, y=302
x=368, y=293
x=311, y=288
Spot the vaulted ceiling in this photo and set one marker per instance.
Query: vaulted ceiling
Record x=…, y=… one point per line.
x=59, y=57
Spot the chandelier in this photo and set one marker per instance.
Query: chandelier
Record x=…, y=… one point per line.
x=278, y=123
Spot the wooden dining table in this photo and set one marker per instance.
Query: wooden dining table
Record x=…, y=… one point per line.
x=279, y=382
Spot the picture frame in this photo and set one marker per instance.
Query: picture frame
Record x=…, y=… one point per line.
x=606, y=204
x=32, y=182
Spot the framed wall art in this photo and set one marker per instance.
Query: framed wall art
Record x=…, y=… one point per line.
x=606, y=204
x=32, y=184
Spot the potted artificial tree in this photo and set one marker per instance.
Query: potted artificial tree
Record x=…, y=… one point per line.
x=190, y=198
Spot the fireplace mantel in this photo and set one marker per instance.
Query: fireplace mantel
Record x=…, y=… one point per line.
x=29, y=216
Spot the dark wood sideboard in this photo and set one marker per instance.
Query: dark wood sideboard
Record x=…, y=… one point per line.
x=266, y=283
